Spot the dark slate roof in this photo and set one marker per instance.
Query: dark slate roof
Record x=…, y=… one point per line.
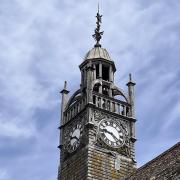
x=164, y=166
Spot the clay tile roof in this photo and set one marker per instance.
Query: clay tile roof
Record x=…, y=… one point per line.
x=170, y=159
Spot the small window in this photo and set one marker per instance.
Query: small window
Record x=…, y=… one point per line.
x=105, y=73
x=94, y=99
x=97, y=71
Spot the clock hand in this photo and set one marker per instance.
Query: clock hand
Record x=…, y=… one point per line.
x=105, y=130
x=114, y=137
x=74, y=137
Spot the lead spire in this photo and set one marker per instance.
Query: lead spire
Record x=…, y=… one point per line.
x=98, y=34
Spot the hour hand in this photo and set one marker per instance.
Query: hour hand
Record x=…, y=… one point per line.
x=106, y=131
x=74, y=137
x=114, y=137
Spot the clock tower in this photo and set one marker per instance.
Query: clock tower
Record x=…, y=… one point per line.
x=97, y=129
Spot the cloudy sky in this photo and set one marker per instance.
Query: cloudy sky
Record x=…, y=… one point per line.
x=41, y=45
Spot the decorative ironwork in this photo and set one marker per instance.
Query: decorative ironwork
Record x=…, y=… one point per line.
x=98, y=34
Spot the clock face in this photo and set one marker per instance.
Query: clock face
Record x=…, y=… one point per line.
x=73, y=140
x=111, y=133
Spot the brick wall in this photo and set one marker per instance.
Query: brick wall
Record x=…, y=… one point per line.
x=101, y=165
x=75, y=167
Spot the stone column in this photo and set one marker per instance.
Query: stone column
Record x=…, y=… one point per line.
x=89, y=72
x=111, y=79
x=100, y=70
x=131, y=85
x=94, y=74
x=111, y=74
x=64, y=100
x=100, y=89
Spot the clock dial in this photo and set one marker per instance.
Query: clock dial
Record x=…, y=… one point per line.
x=74, y=137
x=111, y=133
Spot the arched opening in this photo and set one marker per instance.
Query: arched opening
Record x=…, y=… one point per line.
x=105, y=73
x=127, y=111
x=96, y=88
x=120, y=97
x=105, y=90
x=97, y=71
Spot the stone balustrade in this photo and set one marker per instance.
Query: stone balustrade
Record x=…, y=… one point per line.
x=74, y=109
x=112, y=105
x=109, y=104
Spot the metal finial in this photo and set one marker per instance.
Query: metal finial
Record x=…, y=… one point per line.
x=65, y=85
x=98, y=34
x=98, y=7
x=130, y=77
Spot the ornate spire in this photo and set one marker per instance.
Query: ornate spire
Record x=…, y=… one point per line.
x=97, y=36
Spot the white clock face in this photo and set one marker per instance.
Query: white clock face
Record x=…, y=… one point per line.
x=74, y=137
x=111, y=133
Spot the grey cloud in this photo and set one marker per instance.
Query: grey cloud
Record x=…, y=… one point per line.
x=43, y=42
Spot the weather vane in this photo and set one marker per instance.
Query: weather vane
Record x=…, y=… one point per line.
x=98, y=34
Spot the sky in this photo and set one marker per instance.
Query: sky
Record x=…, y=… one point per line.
x=42, y=44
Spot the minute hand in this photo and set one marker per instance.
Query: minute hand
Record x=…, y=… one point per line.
x=114, y=137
